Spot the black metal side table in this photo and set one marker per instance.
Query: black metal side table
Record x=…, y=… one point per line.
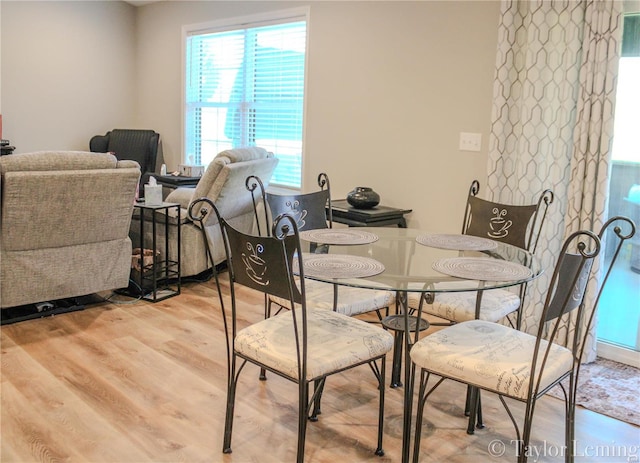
x=175, y=181
x=160, y=279
x=378, y=216
x=171, y=182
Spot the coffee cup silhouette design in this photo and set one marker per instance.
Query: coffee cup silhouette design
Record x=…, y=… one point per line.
x=297, y=214
x=255, y=265
x=498, y=224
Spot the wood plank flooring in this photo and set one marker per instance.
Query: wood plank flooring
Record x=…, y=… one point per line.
x=142, y=382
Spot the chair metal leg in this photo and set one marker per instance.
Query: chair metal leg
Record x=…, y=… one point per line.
x=467, y=403
x=381, y=386
x=410, y=377
x=473, y=410
x=479, y=424
x=267, y=314
x=318, y=388
x=569, y=424
x=526, y=432
x=303, y=413
x=228, y=421
x=523, y=449
x=422, y=399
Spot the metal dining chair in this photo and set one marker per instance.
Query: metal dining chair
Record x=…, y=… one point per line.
x=313, y=211
x=520, y=366
x=518, y=225
x=305, y=345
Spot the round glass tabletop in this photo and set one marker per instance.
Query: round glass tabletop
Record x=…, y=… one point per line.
x=410, y=263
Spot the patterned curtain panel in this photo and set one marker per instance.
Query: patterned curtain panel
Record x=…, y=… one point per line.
x=552, y=119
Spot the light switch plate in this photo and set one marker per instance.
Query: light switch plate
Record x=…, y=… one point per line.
x=470, y=141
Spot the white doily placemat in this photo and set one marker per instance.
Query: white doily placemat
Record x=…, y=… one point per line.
x=339, y=266
x=333, y=236
x=482, y=268
x=457, y=242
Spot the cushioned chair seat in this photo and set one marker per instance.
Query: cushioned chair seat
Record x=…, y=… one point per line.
x=335, y=342
x=490, y=356
x=459, y=307
x=351, y=301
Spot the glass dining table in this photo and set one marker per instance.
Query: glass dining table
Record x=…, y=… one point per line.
x=406, y=261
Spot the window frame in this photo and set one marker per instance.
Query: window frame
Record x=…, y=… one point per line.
x=275, y=17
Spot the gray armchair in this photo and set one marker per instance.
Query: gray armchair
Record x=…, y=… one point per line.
x=223, y=182
x=64, y=225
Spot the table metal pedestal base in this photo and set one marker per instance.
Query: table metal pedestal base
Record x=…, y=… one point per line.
x=396, y=324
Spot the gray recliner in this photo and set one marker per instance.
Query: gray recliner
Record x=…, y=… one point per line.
x=223, y=182
x=64, y=228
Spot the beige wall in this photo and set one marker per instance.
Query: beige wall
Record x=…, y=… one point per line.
x=390, y=86
x=68, y=72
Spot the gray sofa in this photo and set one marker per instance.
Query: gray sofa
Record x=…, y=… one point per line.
x=64, y=223
x=223, y=182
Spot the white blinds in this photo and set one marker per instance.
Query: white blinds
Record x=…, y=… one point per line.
x=245, y=87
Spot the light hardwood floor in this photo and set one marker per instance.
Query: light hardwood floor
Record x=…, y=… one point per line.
x=146, y=382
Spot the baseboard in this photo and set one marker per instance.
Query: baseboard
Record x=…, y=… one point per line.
x=22, y=313
x=618, y=354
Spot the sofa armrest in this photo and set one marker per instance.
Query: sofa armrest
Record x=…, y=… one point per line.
x=127, y=164
x=99, y=143
x=181, y=196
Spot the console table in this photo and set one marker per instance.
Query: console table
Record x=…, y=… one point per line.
x=378, y=216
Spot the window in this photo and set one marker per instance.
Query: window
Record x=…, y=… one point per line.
x=625, y=143
x=245, y=87
x=618, y=329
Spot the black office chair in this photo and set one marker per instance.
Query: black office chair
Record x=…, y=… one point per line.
x=137, y=145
